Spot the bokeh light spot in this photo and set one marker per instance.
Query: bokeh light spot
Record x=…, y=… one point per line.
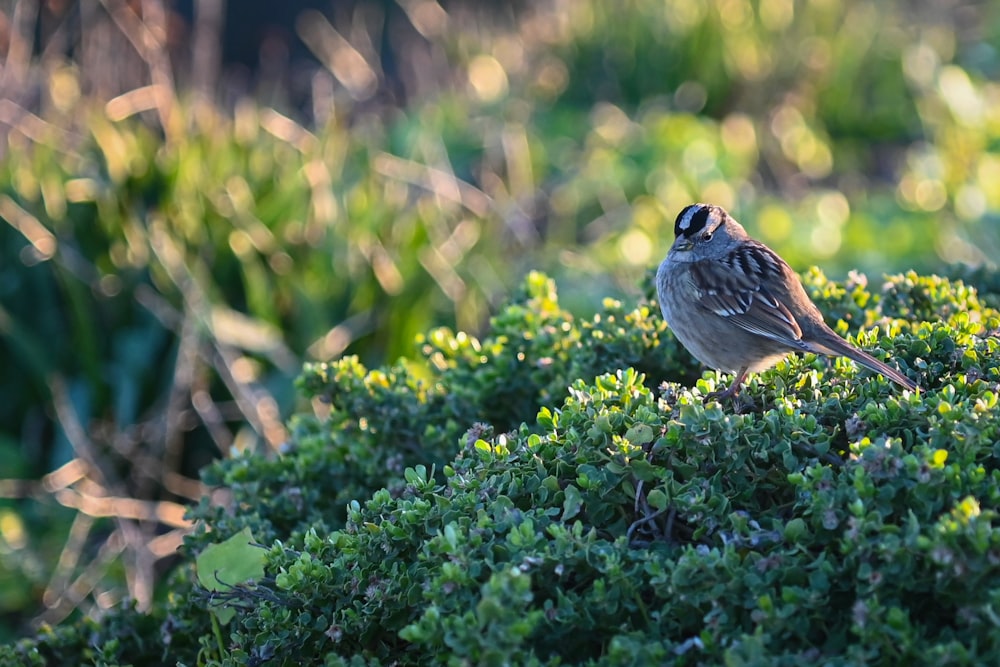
x=833, y=209
x=635, y=247
x=738, y=134
x=488, y=78
x=774, y=224
x=957, y=91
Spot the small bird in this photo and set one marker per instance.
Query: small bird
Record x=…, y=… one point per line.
x=737, y=306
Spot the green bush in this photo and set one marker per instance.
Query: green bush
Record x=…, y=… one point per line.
x=531, y=498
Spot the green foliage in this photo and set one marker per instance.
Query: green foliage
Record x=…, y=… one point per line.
x=147, y=273
x=625, y=521
x=635, y=528
x=382, y=421
x=122, y=637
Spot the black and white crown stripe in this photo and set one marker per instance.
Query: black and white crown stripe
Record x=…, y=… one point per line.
x=694, y=218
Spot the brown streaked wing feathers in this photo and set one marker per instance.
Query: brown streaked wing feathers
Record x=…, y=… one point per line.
x=734, y=288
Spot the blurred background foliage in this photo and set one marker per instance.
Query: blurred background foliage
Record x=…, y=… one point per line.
x=199, y=196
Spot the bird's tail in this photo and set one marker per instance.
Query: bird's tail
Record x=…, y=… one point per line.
x=871, y=363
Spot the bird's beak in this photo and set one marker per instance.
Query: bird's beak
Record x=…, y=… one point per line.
x=682, y=244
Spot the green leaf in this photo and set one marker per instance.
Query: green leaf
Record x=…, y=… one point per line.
x=640, y=434
x=657, y=499
x=222, y=566
x=795, y=529
x=572, y=503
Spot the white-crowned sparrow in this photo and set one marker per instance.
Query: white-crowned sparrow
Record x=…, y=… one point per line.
x=737, y=306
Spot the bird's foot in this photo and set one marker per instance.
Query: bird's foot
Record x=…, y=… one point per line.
x=741, y=404
x=732, y=392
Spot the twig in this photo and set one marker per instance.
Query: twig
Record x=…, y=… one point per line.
x=258, y=407
x=147, y=35
x=36, y=129
x=339, y=56
x=643, y=521
x=75, y=433
x=208, y=410
x=72, y=595
x=22, y=34
x=440, y=182
x=180, y=394
x=206, y=52
x=162, y=511
x=68, y=558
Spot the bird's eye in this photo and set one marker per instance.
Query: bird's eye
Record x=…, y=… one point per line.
x=707, y=236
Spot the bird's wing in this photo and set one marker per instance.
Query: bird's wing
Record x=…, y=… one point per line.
x=736, y=287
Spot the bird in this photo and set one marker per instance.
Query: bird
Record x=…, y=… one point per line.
x=737, y=306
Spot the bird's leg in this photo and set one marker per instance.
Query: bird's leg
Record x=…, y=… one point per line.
x=732, y=391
